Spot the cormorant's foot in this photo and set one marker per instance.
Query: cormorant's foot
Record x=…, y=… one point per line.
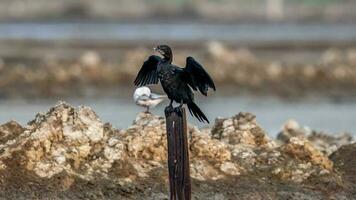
x=178, y=110
x=168, y=109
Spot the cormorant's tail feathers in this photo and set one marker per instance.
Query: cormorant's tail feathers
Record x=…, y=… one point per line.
x=196, y=112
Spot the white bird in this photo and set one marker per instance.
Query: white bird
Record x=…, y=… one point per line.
x=143, y=97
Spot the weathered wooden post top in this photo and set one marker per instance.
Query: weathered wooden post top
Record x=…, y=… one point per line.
x=178, y=154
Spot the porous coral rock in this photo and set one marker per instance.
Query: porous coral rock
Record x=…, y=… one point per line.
x=10, y=131
x=252, y=151
x=290, y=128
x=324, y=142
x=147, y=138
x=302, y=149
x=75, y=147
x=206, y=148
x=241, y=129
x=327, y=143
x=61, y=139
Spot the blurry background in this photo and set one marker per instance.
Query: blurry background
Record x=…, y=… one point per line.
x=278, y=59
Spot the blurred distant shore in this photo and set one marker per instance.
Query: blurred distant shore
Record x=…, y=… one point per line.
x=84, y=72
x=285, y=48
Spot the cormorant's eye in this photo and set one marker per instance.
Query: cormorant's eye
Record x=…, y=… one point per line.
x=160, y=51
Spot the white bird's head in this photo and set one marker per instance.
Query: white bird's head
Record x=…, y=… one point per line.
x=141, y=91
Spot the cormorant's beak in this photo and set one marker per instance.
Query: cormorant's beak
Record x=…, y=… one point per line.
x=158, y=50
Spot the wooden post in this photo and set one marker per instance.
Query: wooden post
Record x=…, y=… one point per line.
x=178, y=156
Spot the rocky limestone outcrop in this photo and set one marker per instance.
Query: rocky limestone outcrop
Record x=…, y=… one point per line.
x=69, y=153
x=324, y=142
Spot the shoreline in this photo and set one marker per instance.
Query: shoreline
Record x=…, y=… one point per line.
x=331, y=73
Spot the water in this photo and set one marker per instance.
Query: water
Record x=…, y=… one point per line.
x=179, y=32
x=271, y=113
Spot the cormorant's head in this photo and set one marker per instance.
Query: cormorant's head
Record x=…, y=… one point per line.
x=164, y=50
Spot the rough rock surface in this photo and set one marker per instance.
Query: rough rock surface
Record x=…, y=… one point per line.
x=345, y=161
x=69, y=153
x=326, y=143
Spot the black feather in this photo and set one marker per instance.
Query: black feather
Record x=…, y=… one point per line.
x=195, y=110
x=197, y=77
x=148, y=72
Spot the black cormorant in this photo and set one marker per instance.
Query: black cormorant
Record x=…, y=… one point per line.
x=176, y=82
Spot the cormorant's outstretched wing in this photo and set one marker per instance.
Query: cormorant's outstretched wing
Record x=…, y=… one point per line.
x=147, y=73
x=197, y=77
